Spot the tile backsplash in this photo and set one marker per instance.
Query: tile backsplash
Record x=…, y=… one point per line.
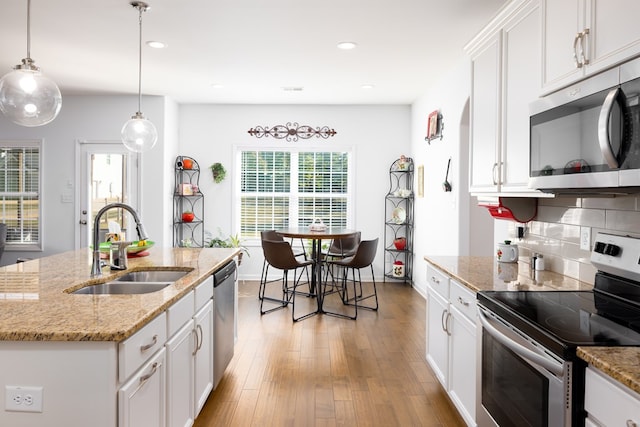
x=555, y=232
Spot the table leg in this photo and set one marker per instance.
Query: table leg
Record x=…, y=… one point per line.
x=318, y=272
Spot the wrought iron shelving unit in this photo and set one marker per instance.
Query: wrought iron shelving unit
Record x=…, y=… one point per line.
x=187, y=197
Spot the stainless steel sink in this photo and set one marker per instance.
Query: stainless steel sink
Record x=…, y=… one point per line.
x=135, y=282
x=152, y=276
x=123, y=288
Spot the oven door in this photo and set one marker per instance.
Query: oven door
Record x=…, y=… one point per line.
x=520, y=384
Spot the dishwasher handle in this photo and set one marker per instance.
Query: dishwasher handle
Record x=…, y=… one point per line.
x=224, y=273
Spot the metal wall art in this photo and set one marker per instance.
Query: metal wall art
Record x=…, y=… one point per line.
x=292, y=131
x=435, y=126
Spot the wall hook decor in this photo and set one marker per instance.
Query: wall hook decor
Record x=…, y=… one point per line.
x=435, y=126
x=292, y=131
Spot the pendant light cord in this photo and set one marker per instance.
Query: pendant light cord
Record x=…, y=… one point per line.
x=140, y=10
x=28, y=29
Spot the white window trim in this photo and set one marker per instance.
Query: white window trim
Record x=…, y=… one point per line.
x=288, y=146
x=38, y=246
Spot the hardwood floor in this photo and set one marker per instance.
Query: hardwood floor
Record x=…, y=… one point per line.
x=328, y=371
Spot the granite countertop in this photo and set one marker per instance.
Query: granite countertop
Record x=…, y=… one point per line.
x=35, y=303
x=486, y=274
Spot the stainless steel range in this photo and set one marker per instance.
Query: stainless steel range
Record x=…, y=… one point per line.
x=529, y=372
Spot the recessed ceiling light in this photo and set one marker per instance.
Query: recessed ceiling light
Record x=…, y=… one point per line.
x=293, y=88
x=347, y=45
x=367, y=86
x=156, y=44
x=217, y=85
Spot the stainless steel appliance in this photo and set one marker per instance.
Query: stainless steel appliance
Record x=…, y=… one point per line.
x=529, y=374
x=224, y=283
x=585, y=138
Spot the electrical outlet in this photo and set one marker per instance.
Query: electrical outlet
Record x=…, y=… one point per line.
x=585, y=238
x=23, y=399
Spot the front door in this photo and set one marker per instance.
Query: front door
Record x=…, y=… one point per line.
x=107, y=174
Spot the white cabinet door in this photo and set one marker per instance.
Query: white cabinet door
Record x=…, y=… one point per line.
x=562, y=21
x=485, y=116
x=462, y=370
x=521, y=86
x=203, y=358
x=614, y=31
x=180, y=371
x=437, y=336
x=141, y=400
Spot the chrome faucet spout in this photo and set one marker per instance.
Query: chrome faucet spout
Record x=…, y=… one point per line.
x=96, y=269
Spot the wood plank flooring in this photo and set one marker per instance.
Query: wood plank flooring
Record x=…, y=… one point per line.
x=328, y=371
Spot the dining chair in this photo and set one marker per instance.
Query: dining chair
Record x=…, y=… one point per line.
x=363, y=257
x=279, y=255
x=341, y=248
x=275, y=237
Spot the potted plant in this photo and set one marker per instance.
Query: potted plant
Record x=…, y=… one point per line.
x=188, y=216
x=218, y=172
x=232, y=241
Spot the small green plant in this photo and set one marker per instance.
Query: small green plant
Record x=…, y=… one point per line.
x=232, y=241
x=218, y=172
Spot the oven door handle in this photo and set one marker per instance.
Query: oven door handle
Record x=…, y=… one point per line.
x=548, y=364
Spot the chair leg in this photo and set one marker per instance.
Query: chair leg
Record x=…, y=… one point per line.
x=296, y=283
x=281, y=303
x=341, y=290
x=359, y=298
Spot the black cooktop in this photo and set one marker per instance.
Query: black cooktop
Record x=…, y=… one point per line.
x=563, y=320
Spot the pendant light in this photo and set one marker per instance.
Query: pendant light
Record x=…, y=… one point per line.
x=139, y=134
x=27, y=97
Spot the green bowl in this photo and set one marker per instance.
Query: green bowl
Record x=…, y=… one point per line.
x=133, y=248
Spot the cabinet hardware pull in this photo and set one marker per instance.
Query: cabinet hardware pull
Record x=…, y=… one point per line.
x=196, y=345
x=463, y=302
x=154, y=341
x=447, y=323
x=434, y=280
x=576, y=59
x=144, y=378
x=201, y=340
x=443, y=320
x=493, y=174
x=583, y=41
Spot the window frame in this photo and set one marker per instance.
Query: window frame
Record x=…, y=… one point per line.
x=293, y=197
x=25, y=144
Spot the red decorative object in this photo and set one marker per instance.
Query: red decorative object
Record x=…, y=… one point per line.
x=188, y=216
x=187, y=163
x=400, y=243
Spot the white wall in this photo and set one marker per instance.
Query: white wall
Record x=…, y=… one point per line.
x=447, y=223
x=379, y=134
x=93, y=118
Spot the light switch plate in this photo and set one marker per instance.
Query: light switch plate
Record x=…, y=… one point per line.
x=585, y=238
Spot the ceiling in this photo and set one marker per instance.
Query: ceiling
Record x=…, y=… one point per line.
x=253, y=48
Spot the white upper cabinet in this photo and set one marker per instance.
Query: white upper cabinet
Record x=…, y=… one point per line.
x=505, y=78
x=583, y=37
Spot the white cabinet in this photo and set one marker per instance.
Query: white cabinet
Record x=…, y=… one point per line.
x=609, y=403
x=141, y=401
x=451, y=340
x=505, y=78
x=189, y=355
x=583, y=37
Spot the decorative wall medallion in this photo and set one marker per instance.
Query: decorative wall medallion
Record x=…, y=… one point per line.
x=292, y=131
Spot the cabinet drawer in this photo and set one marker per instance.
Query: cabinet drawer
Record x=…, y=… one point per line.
x=608, y=402
x=139, y=347
x=204, y=292
x=438, y=281
x=463, y=299
x=180, y=313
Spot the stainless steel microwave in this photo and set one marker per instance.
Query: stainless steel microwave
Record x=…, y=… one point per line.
x=586, y=138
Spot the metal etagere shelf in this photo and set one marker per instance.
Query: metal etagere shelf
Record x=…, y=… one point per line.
x=187, y=197
x=398, y=235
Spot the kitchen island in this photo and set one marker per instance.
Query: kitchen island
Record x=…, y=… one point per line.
x=75, y=348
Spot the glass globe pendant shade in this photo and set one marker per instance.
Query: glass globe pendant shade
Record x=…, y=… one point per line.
x=139, y=134
x=27, y=97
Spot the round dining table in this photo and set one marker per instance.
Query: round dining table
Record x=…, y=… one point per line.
x=316, y=249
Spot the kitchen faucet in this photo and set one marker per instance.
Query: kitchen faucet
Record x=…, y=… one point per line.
x=96, y=269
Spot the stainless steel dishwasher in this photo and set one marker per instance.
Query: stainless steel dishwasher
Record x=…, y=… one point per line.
x=224, y=282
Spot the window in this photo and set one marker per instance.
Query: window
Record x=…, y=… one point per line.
x=291, y=188
x=20, y=207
